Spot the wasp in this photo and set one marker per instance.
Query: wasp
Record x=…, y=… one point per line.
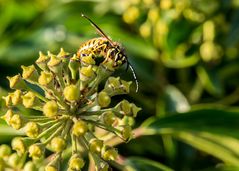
x=104, y=47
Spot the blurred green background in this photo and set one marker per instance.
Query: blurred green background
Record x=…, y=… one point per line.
x=185, y=53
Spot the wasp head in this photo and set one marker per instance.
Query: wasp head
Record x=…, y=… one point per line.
x=119, y=55
x=120, y=58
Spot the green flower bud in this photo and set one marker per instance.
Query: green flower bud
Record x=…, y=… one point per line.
x=108, y=65
x=46, y=79
x=109, y=153
x=76, y=163
x=79, y=128
x=2, y=165
x=74, y=66
x=53, y=61
x=125, y=86
x=115, y=86
x=58, y=144
x=7, y=117
x=127, y=120
x=36, y=151
x=13, y=160
x=8, y=100
x=87, y=60
x=127, y=108
x=16, y=97
x=108, y=118
x=103, y=166
x=86, y=73
x=16, y=121
x=50, y=109
x=5, y=151
x=30, y=166
x=51, y=168
x=32, y=129
x=42, y=61
x=16, y=82
x=18, y=145
x=30, y=100
x=126, y=132
x=135, y=109
x=71, y=93
x=62, y=54
x=95, y=145
x=55, y=64
x=30, y=73
x=124, y=107
x=54, y=164
x=103, y=99
x=113, y=82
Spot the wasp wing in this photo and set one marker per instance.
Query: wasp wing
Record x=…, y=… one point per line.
x=99, y=31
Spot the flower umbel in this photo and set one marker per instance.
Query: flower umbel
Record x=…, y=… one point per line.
x=73, y=109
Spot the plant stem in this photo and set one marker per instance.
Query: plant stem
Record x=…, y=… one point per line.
x=138, y=132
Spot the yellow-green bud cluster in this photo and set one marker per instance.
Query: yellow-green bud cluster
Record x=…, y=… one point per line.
x=30, y=166
x=126, y=108
x=153, y=23
x=50, y=109
x=16, y=97
x=156, y=22
x=32, y=129
x=13, y=160
x=36, y=151
x=30, y=73
x=58, y=144
x=95, y=145
x=109, y=153
x=5, y=151
x=76, y=162
x=30, y=100
x=79, y=128
x=71, y=93
x=116, y=86
x=66, y=106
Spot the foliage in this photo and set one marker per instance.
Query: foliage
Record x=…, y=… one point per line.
x=185, y=54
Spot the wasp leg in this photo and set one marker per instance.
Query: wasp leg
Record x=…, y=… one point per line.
x=101, y=49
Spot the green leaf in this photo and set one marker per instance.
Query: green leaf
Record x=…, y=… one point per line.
x=210, y=81
x=180, y=63
x=219, y=121
x=222, y=147
x=222, y=167
x=209, y=130
x=177, y=36
x=142, y=164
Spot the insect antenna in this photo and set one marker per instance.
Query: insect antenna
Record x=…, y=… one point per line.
x=134, y=75
x=99, y=31
x=127, y=65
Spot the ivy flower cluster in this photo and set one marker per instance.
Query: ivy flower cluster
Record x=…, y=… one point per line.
x=69, y=112
x=156, y=20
